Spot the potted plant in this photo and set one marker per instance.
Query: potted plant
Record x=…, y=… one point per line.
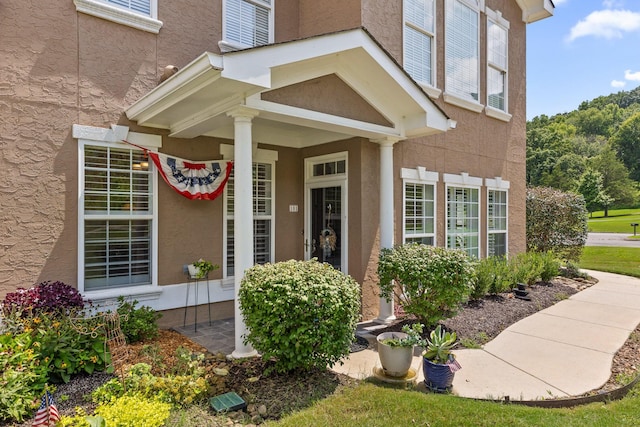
x=395, y=349
x=199, y=269
x=439, y=364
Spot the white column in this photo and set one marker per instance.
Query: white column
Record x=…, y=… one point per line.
x=385, y=314
x=242, y=217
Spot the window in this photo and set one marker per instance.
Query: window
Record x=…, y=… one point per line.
x=117, y=214
x=497, y=64
x=496, y=222
x=140, y=14
x=463, y=219
x=462, y=51
x=419, y=35
x=419, y=207
x=263, y=222
x=248, y=23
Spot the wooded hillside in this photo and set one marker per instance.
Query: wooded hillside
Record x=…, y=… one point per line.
x=594, y=150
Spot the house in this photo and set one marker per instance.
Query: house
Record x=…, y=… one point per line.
x=351, y=124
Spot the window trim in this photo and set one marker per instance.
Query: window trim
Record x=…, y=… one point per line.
x=467, y=182
x=420, y=176
x=498, y=184
x=430, y=88
x=93, y=136
x=495, y=17
x=452, y=97
x=226, y=45
x=120, y=15
x=259, y=156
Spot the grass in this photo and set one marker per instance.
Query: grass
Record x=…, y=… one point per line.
x=371, y=405
x=618, y=221
x=612, y=259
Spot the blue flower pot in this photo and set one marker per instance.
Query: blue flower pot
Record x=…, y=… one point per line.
x=437, y=377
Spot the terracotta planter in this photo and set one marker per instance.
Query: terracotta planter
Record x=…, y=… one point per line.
x=395, y=361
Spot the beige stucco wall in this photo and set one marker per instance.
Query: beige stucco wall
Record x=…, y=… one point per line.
x=60, y=68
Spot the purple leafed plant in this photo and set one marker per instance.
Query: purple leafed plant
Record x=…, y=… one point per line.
x=44, y=297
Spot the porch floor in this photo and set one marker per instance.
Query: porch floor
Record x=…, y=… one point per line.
x=219, y=337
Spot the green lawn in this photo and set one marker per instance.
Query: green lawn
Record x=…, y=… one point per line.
x=612, y=259
x=370, y=405
x=618, y=221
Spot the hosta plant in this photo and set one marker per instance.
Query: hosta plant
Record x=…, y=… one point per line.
x=302, y=314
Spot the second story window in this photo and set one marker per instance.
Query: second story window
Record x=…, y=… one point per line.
x=248, y=23
x=497, y=65
x=419, y=35
x=140, y=6
x=462, y=49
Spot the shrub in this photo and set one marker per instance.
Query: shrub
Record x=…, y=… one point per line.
x=550, y=266
x=525, y=268
x=174, y=389
x=556, y=221
x=137, y=324
x=22, y=377
x=492, y=276
x=432, y=281
x=68, y=345
x=46, y=297
x=134, y=411
x=302, y=313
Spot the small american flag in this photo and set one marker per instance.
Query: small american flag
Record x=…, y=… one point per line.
x=453, y=364
x=47, y=414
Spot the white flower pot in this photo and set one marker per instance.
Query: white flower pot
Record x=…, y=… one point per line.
x=395, y=361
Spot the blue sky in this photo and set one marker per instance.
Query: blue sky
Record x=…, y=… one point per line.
x=587, y=49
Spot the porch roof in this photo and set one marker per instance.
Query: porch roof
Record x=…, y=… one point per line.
x=197, y=99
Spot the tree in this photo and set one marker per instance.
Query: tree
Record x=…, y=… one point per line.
x=615, y=178
x=556, y=221
x=627, y=144
x=591, y=189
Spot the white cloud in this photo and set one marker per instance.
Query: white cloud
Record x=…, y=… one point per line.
x=618, y=83
x=608, y=24
x=633, y=76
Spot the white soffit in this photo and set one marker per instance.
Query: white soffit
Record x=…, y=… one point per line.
x=535, y=10
x=195, y=100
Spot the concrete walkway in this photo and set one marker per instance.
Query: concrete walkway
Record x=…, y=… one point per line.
x=564, y=350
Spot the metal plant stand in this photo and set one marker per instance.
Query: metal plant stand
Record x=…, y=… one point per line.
x=196, y=281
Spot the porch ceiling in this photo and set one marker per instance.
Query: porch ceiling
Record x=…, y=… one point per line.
x=196, y=100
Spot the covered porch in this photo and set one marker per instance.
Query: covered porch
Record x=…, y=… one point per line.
x=298, y=94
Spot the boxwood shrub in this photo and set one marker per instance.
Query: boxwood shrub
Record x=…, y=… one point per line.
x=302, y=314
x=431, y=281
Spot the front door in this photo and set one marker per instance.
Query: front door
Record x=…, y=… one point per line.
x=326, y=225
x=326, y=210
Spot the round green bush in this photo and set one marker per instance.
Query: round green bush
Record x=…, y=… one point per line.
x=303, y=314
x=432, y=281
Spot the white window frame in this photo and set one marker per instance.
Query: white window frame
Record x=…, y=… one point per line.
x=419, y=176
x=498, y=184
x=260, y=156
x=464, y=181
x=495, y=19
x=93, y=136
x=121, y=15
x=428, y=86
x=450, y=95
x=229, y=45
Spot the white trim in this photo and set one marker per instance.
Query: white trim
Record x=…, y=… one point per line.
x=497, y=183
x=462, y=180
x=112, y=136
x=117, y=133
x=101, y=9
x=338, y=180
x=420, y=176
x=497, y=114
x=467, y=104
